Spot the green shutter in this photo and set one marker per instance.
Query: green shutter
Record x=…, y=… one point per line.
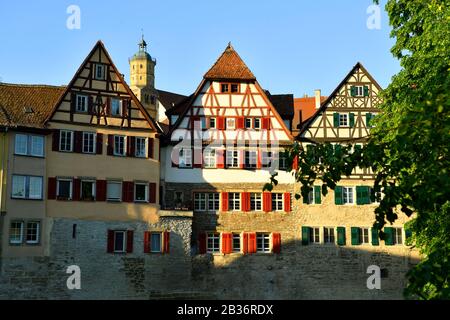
x=372, y=197
x=366, y=91
x=352, y=119
x=336, y=119
x=338, y=196
x=353, y=91
x=341, y=236
x=317, y=195
x=368, y=119
x=389, y=241
x=356, y=236
x=305, y=235
x=306, y=200
x=362, y=195
x=375, y=237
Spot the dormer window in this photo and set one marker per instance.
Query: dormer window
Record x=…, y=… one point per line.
x=99, y=72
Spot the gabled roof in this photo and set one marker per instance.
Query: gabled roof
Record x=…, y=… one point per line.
x=169, y=99
x=283, y=103
x=229, y=66
x=25, y=105
x=324, y=104
x=180, y=106
x=307, y=107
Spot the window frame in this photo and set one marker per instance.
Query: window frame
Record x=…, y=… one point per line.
x=199, y=199
x=215, y=238
x=103, y=71
x=215, y=201
x=160, y=242
x=252, y=162
x=234, y=163
x=26, y=187
x=93, y=184
x=230, y=123
x=146, y=186
x=17, y=135
x=81, y=100
x=248, y=123
x=94, y=142
x=58, y=180
x=124, y=232
x=234, y=201
x=276, y=199
x=65, y=132
x=314, y=236
x=22, y=228
x=327, y=235
x=265, y=240
x=185, y=154
x=144, y=147
x=120, y=190
x=362, y=236
x=124, y=140
x=119, y=101
x=257, y=127
x=345, y=193
x=254, y=201
x=38, y=233
x=397, y=234
x=209, y=158
x=212, y=123
x=344, y=122
x=357, y=89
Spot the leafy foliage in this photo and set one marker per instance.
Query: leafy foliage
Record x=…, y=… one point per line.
x=409, y=146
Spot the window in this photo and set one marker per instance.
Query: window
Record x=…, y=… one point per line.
x=263, y=242
x=234, y=201
x=81, y=104
x=224, y=88
x=255, y=201
x=347, y=193
x=140, y=147
x=155, y=242
x=116, y=107
x=236, y=242
x=248, y=123
x=266, y=159
x=314, y=235
x=213, y=242
x=328, y=235
x=314, y=195
x=231, y=123
x=232, y=159
x=65, y=140
x=32, y=234
x=119, y=241
x=364, y=236
x=119, y=145
x=397, y=235
x=29, y=145
x=21, y=144
x=185, y=158
x=251, y=158
x=16, y=232
x=88, y=142
x=282, y=161
x=64, y=189
x=343, y=120
x=100, y=72
x=87, y=190
x=212, y=123
x=37, y=146
x=213, y=201
x=141, y=192
x=257, y=123
x=114, y=190
x=152, y=99
x=359, y=91
x=277, y=201
x=234, y=88
x=26, y=187
x=210, y=158
x=200, y=201
x=179, y=198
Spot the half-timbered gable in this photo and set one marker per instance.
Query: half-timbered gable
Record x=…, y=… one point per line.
x=345, y=115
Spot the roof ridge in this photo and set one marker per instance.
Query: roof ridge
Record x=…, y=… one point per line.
x=28, y=85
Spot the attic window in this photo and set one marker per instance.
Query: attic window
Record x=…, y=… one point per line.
x=28, y=110
x=224, y=88
x=99, y=72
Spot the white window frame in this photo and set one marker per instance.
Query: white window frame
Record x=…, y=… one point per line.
x=38, y=233
x=232, y=158
x=200, y=202
x=124, y=142
x=264, y=240
x=209, y=157
x=143, y=145
x=16, y=141
x=14, y=185
x=124, y=241
x=93, y=188
x=81, y=103
x=398, y=234
x=15, y=242
x=214, y=199
x=65, y=133
x=212, y=123
x=346, y=195
x=256, y=201
x=120, y=190
x=185, y=158
x=359, y=91
x=314, y=237
x=362, y=231
x=344, y=120
x=94, y=138
x=277, y=199
x=41, y=138
x=215, y=242
x=236, y=237
x=119, y=105
x=331, y=235
x=145, y=184
x=41, y=183
x=257, y=123
x=231, y=123
x=102, y=67
x=58, y=180
x=160, y=242
x=234, y=200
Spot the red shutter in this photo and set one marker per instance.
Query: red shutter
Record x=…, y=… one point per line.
x=130, y=237
x=267, y=201
x=245, y=243
x=224, y=201
x=99, y=147
x=287, y=202
x=198, y=158
x=220, y=158
x=76, y=189
x=127, y=191
x=151, y=143
x=101, y=190
x=240, y=123
x=259, y=161
x=152, y=192
x=251, y=243
x=166, y=242
x=51, y=192
x=202, y=243
x=227, y=243
x=266, y=123
x=55, y=141
x=220, y=123
x=131, y=146
x=276, y=242
x=78, y=145
x=146, y=242
x=245, y=201
x=241, y=159
x=295, y=163
x=110, y=148
x=110, y=247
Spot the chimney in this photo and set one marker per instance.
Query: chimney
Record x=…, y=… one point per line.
x=318, y=96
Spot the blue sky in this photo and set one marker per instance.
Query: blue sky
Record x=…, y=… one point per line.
x=292, y=46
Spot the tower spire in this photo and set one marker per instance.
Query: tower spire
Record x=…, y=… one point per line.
x=142, y=44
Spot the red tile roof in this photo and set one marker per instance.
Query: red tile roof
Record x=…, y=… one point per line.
x=229, y=66
x=307, y=107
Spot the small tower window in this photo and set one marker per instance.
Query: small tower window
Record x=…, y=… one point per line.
x=142, y=66
x=152, y=99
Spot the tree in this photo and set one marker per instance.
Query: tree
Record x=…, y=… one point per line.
x=409, y=147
